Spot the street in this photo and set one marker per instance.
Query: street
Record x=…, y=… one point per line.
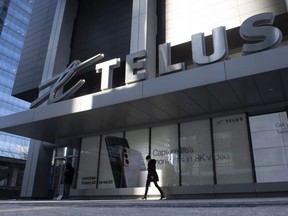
x=201, y=207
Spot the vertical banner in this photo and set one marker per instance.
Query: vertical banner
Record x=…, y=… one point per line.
x=88, y=164
x=110, y=170
x=232, y=151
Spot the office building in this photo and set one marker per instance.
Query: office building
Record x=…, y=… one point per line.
x=14, y=19
x=198, y=85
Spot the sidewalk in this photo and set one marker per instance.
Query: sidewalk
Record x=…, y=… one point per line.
x=216, y=207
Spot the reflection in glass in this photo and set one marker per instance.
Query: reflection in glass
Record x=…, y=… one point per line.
x=139, y=142
x=164, y=148
x=196, y=153
x=14, y=20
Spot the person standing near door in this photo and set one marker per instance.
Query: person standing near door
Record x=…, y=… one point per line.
x=68, y=179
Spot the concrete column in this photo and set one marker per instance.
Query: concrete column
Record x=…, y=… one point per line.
x=143, y=32
x=37, y=170
x=58, y=53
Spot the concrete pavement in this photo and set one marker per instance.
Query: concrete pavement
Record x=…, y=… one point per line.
x=200, y=207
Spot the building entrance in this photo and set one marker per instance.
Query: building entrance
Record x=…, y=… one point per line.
x=62, y=156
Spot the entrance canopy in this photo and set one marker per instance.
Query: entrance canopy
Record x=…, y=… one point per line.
x=252, y=83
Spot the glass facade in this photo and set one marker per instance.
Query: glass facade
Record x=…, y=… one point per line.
x=134, y=148
x=204, y=152
x=232, y=151
x=14, y=19
x=225, y=150
x=196, y=153
x=164, y=149
x=269, y=134
x=61, y=157
x=89, y=153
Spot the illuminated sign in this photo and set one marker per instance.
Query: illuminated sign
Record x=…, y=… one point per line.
x=257, y=30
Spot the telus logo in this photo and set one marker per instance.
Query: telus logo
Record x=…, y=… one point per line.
x=256, y=30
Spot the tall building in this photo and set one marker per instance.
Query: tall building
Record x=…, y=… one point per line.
x=198, y=85
x=14, y=19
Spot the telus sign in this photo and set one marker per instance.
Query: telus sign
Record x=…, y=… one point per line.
x=257, y=30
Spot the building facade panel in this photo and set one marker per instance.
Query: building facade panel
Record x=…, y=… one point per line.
x=102, y=27
x=184, y=18
x=34, y=51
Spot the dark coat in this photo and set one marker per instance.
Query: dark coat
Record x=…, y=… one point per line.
x=69, y=174
x=152, y=174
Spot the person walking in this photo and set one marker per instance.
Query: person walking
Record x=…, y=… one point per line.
x=152, y=176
